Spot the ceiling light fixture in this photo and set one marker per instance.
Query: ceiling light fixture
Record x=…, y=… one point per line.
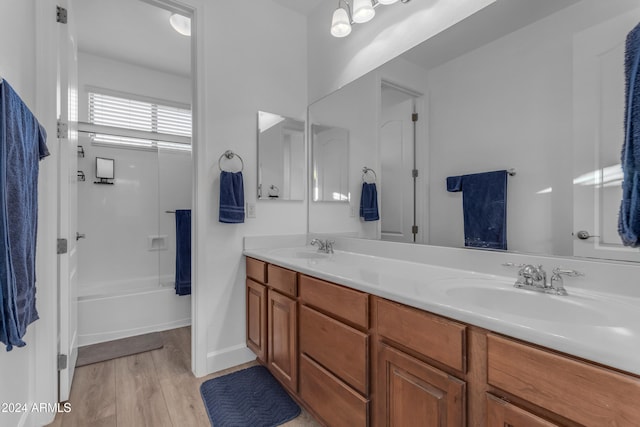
x=356, y=12
x=181, y=24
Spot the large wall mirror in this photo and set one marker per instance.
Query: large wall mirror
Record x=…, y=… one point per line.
x=532, y=86
x=281, y=157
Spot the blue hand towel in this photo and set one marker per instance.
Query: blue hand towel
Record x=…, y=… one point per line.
x=369, y=202
x=22, y=145
x=183, y=252
x=231, y=197
x=629, y=218
x=484, y=205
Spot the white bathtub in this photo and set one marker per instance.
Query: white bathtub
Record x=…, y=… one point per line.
x=116, y=310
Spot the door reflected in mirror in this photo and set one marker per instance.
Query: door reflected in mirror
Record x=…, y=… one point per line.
x=330, y=146
x=281, y=158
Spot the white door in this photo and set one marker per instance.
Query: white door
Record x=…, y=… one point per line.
x=68, y=202
x=396, y=165
x=599, y=100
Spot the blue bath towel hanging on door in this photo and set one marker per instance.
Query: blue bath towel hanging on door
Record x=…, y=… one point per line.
x=22, y=145
x=183, y=252
x=629, y=218
x=484, y=206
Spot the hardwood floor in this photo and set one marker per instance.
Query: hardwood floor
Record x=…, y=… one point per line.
x=153, y=389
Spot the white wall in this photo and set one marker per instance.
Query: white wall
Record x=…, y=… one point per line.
x=28, y=372
x=256, y=64
x=334, y=62
x=509, y=105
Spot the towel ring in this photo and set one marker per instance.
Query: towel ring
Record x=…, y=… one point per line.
x=365, y=171
x=229, y=155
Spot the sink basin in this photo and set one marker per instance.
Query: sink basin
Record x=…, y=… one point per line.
x=495, y=297
x=299, y=253
x=566, y=309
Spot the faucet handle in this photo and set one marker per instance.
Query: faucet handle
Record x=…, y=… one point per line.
x=566, y=272
x=557, y=284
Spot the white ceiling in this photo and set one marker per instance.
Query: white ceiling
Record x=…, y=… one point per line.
x=132, y=31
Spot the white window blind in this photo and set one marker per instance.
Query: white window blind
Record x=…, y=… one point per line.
x=138, y=123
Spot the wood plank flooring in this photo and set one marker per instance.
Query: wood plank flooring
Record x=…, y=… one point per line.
x=154, y=389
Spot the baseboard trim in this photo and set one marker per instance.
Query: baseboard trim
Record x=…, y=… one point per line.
x=228, y=358
x=89, y=339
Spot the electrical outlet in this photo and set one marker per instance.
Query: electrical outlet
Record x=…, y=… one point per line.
x=251, y=210
x=352, y=211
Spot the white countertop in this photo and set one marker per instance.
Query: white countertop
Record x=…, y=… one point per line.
x=600, y=327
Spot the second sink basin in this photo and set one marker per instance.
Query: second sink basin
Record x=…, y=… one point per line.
x=495, y=298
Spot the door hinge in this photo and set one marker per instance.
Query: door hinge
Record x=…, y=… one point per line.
x=63, y=130
x=62, y=246
x=61, y=15
x=62, y=362
x=414, y=229
x=414, y=117
x=414, y=173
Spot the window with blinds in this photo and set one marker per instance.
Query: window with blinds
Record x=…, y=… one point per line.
x=135, y=123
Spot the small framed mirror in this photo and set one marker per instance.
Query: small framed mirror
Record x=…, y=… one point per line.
x=281, y=157
x=105, y=170
x=330, y=163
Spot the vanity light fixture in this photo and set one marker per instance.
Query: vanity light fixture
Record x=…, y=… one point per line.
x=181, y=24
x=358, y=11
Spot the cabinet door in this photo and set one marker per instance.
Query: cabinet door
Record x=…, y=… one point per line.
x=504, y=414
x=413, y=393
x=257, y=319
x=282, y=333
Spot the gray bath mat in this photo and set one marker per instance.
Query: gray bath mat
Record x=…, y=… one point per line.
x=119, y=348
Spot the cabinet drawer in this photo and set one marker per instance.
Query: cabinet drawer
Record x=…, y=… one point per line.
x=340, y=348
x=581, y=392
x=282, y=279
x=330, y=399
x=257, y=270
x=437, y=338
x=501, y=413
x=343, y=303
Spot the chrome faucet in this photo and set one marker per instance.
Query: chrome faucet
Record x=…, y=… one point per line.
x=534, y=278
x=326, y=246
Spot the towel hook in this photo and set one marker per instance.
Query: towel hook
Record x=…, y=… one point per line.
x=229, y=155
x=365, y=171
x=511, y=172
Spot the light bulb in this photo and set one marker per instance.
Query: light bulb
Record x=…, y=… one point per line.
x=340, y=25
x=181, y=24
x=387, y=1
x=363, y=11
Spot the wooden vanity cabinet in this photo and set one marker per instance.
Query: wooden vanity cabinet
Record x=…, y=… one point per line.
x=272, y=318
x=257, y=319
x=334, y=352
x=283, y=338
x=416, y=354
x=353, y=359
x=580, y=392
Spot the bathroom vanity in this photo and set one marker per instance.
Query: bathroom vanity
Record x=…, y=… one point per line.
x=363, y=354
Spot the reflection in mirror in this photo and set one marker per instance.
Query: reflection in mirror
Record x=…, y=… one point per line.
x=330, y=146
x=281, y=158
x=534, y=86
